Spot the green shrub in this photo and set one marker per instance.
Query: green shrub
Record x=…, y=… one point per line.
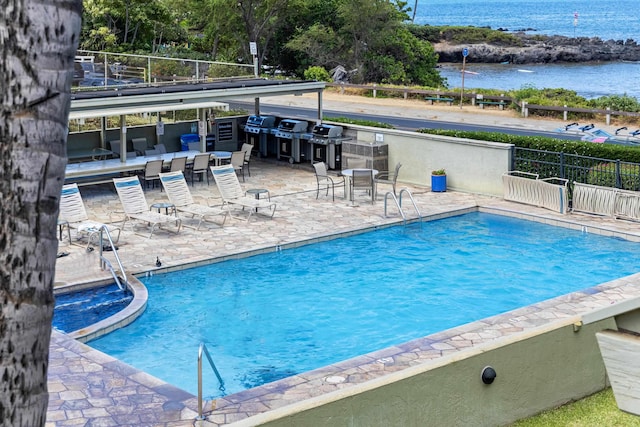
x=359, y=122
x=318, y=74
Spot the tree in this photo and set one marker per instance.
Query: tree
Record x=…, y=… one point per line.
x=369, y=37
x=39, y=41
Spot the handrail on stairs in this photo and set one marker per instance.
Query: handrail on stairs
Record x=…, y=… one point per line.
x=203, y=350
x=398, y=202
x=104, y=263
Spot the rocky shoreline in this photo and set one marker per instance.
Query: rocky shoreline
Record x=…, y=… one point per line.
x=537, y=49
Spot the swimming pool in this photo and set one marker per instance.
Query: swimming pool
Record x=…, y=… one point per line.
x=270, y=316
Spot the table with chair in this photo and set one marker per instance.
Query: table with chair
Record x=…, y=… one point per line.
x=360, y=179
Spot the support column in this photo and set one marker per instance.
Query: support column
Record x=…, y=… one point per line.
x=123, y=138
x=319, y=107
x=202, y=129
x=103, y=133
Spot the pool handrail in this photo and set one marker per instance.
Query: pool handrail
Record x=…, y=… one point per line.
x=395, y=201
x=398, y=203
x=105, y=262
x=413, y=202
x=201, y=350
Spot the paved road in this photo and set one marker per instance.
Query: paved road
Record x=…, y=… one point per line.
x=407, y=117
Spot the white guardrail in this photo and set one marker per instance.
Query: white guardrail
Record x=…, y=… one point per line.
x=523, y=187
x=607, y=201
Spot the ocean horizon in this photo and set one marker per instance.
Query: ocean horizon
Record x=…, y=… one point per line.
x=618, y=20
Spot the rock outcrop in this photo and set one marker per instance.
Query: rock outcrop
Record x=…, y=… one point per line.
x=543, y=49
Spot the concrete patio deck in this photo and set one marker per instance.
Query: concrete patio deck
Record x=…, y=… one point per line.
x=90, y=388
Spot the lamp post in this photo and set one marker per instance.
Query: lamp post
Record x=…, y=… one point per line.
x=465, y=53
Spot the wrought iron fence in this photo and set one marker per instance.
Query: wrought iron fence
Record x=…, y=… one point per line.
x=576, y=168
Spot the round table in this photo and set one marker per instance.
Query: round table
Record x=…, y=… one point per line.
x=219, y=156
x=164, y=205
x=257, y=192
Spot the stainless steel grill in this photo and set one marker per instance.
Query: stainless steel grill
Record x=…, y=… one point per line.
x=326, y=145
x=289, y=138
x=325, y=134
x=257, y=130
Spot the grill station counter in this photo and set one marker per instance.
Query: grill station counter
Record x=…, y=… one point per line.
x=326, y=145
x=292, y=140
x=257, y=130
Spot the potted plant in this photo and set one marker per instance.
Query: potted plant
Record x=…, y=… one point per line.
x=438, y=180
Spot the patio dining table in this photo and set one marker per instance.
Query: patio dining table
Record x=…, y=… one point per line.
x=348, y=173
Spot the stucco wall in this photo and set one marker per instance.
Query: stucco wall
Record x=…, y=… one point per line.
x=534, y=373
x=471, y=166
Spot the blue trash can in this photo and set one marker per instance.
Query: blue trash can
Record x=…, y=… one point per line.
x=186, y=138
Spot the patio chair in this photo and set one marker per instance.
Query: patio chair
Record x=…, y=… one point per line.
x=246, y=149
x=136, y=207
x=151, y=172
x=72, y=210
x=323, y=180
x=161, y=148
x=237, y=161
x=388, y=177
x=200, y=167
x=178, y=192
x=362, y=179
x=177, y=164
x=232, y=193
x=140, y=145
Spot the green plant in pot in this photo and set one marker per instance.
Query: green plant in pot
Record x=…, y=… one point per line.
x=438, y=180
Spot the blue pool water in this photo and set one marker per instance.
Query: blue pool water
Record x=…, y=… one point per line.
x=79, y=309
x=270, y=316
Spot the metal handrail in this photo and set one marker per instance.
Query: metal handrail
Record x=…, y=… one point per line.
x=104, y=263
x=398, y=203
x=203, y=349
x=413, y=202
x=395, y=200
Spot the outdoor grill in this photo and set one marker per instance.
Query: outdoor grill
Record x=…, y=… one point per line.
x=326, y=145
x=289, y=137
x=257, y=130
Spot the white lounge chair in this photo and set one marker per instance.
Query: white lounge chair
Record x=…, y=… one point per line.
x=72, y=210
x=178, y=192
x=136, y=207
x=232, y=193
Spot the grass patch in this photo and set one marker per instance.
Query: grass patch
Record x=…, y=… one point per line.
x=597, y=410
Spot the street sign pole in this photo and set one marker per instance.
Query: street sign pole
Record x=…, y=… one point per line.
x=465, y=53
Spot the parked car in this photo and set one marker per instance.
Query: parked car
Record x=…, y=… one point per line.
x=100, y=81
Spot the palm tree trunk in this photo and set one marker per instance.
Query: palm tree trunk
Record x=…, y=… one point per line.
x=39, y=41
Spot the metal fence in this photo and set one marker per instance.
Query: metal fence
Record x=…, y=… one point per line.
x=576, y=168
x=96, y=69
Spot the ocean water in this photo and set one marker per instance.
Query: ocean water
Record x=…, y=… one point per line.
x=617, y=20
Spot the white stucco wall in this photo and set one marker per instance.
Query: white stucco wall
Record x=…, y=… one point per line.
x=471, y=166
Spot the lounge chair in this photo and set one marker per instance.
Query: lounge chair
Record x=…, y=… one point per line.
x=232, y=193
x=136, y=207
x=72, y=210
x=178, y=192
